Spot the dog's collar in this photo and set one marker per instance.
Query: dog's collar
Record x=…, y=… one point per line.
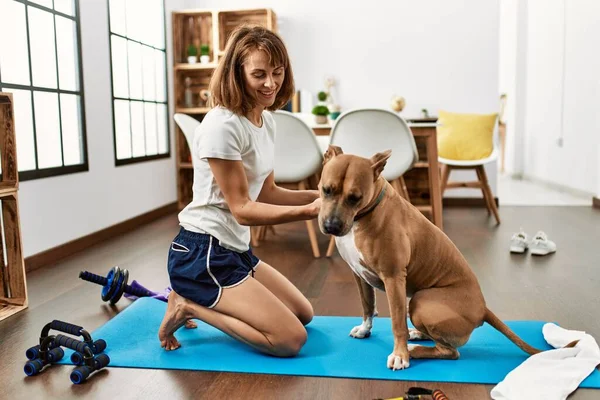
x=367, y=211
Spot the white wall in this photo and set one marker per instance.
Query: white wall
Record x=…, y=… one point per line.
x=59, y=209
x=582, y=96
x=438, y=54
x=513, y=80
x=562, y=93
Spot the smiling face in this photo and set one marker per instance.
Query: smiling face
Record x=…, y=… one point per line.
x=254, y=74
x=262, y=80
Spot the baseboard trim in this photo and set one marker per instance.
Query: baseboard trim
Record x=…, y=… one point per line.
x=556, y=186
x=65, y=250
x=596, y=202
x=466, y=202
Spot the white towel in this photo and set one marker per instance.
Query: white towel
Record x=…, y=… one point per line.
x=552, y=374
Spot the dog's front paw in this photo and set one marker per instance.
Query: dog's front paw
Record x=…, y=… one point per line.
x=360, y=331
x=396, y=362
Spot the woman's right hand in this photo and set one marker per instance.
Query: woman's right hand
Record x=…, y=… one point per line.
x=314, y=208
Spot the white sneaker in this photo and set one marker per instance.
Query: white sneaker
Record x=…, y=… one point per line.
x=519, y=242
x=541, y=245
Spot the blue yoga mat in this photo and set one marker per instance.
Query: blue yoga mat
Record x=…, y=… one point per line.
x=132, y=341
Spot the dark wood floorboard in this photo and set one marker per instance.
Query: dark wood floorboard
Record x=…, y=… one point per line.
x=562, y=287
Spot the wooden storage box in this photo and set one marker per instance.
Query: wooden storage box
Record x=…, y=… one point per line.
x=185, y=177
x=13, y=287
x=229, y=20
x=198, y=80
x=192, y=28
x=8, y=152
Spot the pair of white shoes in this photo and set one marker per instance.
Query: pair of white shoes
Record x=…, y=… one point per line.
x=540, y=245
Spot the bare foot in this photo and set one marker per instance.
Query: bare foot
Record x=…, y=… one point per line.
x=175, y=317
x=189, y=324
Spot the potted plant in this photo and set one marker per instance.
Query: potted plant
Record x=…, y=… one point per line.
x=322, y=96
x=204, y=54
x=321, y=112
x=192, y=53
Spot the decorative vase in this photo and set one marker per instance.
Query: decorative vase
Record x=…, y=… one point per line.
x=191, y=59
x=398, y=103
x=188, y=95
x=334, y=111
x=204, y=59
x=321, y=119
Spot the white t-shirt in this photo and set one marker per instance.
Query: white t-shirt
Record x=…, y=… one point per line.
x=225, y=135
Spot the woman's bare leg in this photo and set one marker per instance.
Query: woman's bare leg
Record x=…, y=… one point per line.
x=285, y=291
x=248, y=312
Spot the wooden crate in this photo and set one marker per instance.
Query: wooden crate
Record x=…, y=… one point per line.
x=8, y=151
x=13, y=286
x=185, y=177
x=229, y=20
x=195, y=27
x=198, y=80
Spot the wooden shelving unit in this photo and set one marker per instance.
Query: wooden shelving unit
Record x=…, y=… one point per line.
x=194, y=67
x=192, y=110
x=210, y=27
x=13, y=286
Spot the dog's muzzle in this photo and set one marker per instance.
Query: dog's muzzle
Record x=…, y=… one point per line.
x=333, y=226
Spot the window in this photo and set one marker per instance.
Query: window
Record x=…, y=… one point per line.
x=40, y=64
x=139, y=80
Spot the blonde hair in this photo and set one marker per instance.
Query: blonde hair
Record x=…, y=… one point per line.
x=227, y=83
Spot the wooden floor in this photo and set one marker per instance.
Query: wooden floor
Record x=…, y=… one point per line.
x=562, y=287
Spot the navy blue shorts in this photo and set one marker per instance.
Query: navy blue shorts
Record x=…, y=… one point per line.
x=200, y=268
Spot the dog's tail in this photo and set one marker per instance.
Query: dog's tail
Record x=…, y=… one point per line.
x=494, y=321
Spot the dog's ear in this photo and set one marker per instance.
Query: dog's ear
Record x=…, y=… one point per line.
x=378, y=161
x=331, y=152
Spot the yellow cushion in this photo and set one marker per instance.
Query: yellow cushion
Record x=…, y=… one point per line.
x=465, y=136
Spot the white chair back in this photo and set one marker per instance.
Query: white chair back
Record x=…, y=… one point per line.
x=188, y=125
x=297, y=153
x=367, y=131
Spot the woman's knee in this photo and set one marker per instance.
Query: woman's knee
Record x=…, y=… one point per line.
x=305, y=313
x=290, y=343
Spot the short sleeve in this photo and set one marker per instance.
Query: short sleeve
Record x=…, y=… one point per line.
x=270, y=123
x=220, y=138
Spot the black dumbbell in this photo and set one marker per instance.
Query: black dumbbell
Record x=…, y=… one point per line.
x=34, y=366
x=50, y=351
x=114, y=284
x=81, y=373
x=97, y=346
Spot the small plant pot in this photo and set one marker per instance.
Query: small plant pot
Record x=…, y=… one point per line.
x=333, y=115
x=204, y=59
x=191, y=59
x=321, y=119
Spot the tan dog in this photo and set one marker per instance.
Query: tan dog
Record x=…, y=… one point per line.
x=391, y=246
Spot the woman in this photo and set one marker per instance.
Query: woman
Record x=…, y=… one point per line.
x=214, y=275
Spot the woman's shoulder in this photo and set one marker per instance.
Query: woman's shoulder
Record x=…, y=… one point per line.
x=219, y=119
x=269, y=120
x=221, y=114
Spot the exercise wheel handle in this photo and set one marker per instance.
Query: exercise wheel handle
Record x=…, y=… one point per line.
x=90, y=277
